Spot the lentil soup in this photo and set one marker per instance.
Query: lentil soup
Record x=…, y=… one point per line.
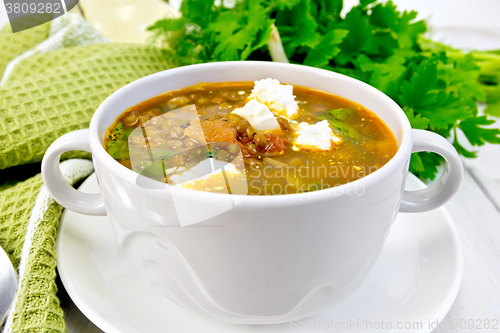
x=278, y=139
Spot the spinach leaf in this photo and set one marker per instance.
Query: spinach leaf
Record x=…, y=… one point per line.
x=345, y=131
x=340, y=114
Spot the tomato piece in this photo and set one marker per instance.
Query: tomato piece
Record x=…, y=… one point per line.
x=276, y=143
x=244, y=151
x=246, y=140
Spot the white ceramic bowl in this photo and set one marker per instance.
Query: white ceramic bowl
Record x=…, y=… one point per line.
x=253, y=259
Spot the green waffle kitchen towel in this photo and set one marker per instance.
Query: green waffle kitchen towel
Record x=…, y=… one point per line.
x=13, y=45
x=28, y=228
x=57, y=92
x=37, y=109
x=52, y=82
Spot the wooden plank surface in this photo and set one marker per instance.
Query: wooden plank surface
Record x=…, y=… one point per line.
x=485, y=169
x=478, y=224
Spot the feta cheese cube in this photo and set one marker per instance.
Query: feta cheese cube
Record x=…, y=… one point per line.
x=202, y=169
x=317, y=136
x=259, y=116
x=205, y=170
x=277, y=97
x=213, y=176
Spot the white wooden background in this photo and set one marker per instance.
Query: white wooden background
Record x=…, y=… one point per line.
x=476, y=208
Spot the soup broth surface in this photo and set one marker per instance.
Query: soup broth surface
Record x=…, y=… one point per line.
x=175, y=136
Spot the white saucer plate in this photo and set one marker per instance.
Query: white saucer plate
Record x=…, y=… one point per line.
x=412, y=286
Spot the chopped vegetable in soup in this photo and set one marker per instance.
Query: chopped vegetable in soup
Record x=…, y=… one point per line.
x=257, y=138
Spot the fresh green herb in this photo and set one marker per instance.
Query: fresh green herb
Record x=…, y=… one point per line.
x=340, y=114
x=154, y=170
x=488, y=64
x=118, y=144
x=206, y=32
x=436, y=86
x=210, y=154
x=346, y=131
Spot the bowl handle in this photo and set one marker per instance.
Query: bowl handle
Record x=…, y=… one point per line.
x=446, y=186
x=61, y=191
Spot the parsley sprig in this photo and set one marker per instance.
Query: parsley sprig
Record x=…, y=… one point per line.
x=436, y=85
